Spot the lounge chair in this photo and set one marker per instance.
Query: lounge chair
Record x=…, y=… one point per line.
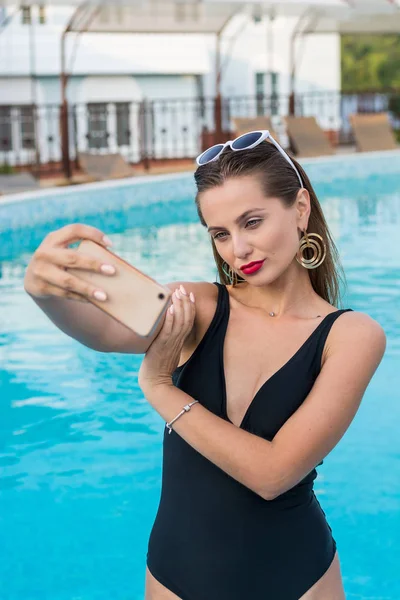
x=104, y=166
x=246, y=124
x=307, y=138
x=18, y=182
x=372, y=131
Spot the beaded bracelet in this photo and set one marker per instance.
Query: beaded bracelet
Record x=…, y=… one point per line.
x=185, y=409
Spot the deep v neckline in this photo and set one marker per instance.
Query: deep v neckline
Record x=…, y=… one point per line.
x=273, y=376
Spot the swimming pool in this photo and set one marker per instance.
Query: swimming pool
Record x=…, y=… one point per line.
x=80, y=449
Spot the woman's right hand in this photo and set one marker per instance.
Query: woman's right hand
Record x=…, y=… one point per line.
x=47, y=275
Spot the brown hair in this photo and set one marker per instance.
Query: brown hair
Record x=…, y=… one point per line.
x=278, y=179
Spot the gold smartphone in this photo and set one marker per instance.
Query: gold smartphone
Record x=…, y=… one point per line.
x=133, y=298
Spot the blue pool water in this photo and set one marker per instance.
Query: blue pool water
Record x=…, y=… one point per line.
x=80, y=449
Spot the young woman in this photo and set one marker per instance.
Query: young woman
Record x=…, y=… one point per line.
x=257, y=377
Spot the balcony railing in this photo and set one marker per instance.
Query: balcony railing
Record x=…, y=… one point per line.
x=31, y=136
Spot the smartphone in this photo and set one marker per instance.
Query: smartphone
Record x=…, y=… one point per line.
x=133, y=298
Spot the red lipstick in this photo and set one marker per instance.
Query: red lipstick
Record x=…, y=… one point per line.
x=252, y=267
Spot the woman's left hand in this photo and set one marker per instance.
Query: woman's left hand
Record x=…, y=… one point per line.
x=162, y=357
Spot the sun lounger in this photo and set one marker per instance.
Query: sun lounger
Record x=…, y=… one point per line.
x=307, y=138
x=372, y=131
x=246, y=124
x=18, y=182
x=104, y=166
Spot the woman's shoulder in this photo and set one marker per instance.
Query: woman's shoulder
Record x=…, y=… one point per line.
x=358, y=321
x=359, y=332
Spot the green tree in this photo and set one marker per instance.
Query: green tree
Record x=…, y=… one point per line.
x=370, y=62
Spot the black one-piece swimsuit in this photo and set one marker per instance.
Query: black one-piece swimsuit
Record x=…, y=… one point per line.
x=215, y=539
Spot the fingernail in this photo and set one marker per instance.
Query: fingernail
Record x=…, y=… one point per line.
x=171, y=309
x=109, y=269
x=107, y=240
x=183, y=290
x=100, y=295
x=191, y=296
x=177, y=294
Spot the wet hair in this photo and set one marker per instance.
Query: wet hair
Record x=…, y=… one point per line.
x=278, y=179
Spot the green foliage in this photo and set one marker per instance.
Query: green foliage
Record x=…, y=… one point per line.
x=370, y=62
x=6, y=169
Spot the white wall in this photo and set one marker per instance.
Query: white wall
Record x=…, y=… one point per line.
x=18, y=90
x=167, y=86
x=96, y=53
x=250, y=52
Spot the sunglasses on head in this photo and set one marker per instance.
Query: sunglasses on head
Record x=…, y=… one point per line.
x=244, y=142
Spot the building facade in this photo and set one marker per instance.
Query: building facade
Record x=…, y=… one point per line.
x=127, y=90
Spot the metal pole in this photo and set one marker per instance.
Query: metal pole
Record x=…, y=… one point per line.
x=218, y=64
x=305, y=21
x=32, y=59
x=64, y=77
x=218, y=99
x=292, y=75
x=66, y=163
x=270, y=50
x=218, y=77
x=32, y=68
x=270, y=60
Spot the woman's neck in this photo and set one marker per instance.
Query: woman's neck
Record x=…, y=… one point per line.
x=292, y=294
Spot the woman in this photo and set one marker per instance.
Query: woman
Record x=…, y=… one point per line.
x=269, y=371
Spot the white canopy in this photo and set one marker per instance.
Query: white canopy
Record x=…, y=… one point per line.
x=185, y=16
x=379, y=24
x=197, y=16
x=158, y=16
x=281, y=6
x=210, y=16
x=189, y=16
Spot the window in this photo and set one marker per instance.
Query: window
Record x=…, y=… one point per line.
x=274, y=83
x=5, y=129
x=26, y=16
x=267, y=99
x=42, y=14
x=97, y=125
x=260, y=84
x=27, y=127
x=23, y=117
x=122, y=110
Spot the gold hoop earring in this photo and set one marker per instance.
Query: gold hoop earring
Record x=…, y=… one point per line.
x=319, y=251
x=232, y=275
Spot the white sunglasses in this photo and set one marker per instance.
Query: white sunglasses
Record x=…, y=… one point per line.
x=244, y=142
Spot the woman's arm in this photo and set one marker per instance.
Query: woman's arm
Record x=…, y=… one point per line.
x=65, y=298
x=355, y=349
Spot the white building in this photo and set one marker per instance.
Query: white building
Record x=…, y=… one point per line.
x=112, y=74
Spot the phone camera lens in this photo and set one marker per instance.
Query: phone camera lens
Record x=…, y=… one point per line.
x=161, y=296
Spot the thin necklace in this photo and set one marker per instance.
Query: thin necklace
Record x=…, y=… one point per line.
x=273, y=314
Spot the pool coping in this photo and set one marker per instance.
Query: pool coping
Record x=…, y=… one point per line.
x=135, y=180
x=97, y=185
